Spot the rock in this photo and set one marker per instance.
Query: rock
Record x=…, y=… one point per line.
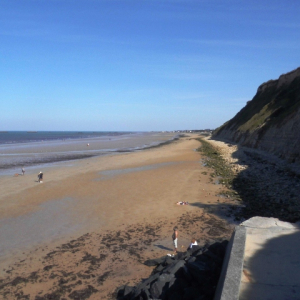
x=177, y=286
x=175, y=296
x=191, y=275
x=191, y=259
x=194, y=249
x=157, y=289
x=120, y=291
x=127, y=290
x=172, y=269
x=187, y=274
x=213, y=256
x=197, y=270
x=124, y=292
x=151, y=279
x=155, y=262
x=168, y=261
x=165, y=277
x=139, y=288
x=182, y=255
x=159, y=268
x=146, y=295
x=191, y=293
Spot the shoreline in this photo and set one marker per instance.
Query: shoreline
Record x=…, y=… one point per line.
x=34, y=154
x=122, y=209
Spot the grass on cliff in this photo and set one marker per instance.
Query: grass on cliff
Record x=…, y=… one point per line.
x=269, y=108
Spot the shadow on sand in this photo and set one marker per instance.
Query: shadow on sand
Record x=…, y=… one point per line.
x=221, y=210
x=163, y=247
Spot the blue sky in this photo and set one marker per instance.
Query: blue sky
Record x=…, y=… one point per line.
x=139, y=64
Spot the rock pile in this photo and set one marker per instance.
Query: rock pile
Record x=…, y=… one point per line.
x=268, y=186
x=190, y=275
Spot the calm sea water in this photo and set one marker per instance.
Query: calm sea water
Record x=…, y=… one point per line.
x=9, y=137
x=39, y=149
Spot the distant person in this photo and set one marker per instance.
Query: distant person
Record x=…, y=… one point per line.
x=175, y=238
x=23, y=171
x=40, y=177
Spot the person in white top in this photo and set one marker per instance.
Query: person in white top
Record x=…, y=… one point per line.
x=193, y=243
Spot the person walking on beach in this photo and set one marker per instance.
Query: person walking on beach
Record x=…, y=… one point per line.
x=23, y=171
x=40, y=177
x=175, y=238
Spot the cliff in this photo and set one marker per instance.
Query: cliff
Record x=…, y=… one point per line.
x=271, y=120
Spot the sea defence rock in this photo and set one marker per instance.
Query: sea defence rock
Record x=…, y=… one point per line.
x=271, y=120
x=186, y=276
x=261, y=262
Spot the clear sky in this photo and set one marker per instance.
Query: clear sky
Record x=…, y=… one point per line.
x=139, y=64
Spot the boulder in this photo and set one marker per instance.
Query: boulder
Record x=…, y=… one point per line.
x=194, y=249
x=175, y=296
x=159, y=268
x=187, y=274
x=191, y=293
x=177, y=286
x=168, y=261
x=213, y=256
x=197, y=269
x=190, y=275
x=155, y=262
x=191, y=259
x=146, y=295
x=172, y=269
x=157, y=289
x=151, y=279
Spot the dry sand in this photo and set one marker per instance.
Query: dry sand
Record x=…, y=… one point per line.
x=89, y=226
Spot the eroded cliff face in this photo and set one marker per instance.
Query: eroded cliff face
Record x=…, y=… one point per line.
x=271, y=120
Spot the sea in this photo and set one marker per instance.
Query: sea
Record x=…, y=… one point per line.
x=35, y=149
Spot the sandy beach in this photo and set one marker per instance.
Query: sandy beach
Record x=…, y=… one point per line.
x=89, y=226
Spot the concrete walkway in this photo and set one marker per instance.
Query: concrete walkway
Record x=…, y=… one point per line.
x=262, y=262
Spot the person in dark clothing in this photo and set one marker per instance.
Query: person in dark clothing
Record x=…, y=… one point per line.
x=40, y=177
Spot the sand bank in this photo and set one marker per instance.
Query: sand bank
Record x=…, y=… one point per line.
x=94, y=221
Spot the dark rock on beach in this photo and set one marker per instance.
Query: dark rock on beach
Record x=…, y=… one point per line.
x=190, y=275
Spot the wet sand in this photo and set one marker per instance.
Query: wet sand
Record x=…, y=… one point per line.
x=89, y=226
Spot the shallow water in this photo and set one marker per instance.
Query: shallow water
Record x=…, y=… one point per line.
x=37, y=227
x=110, y=173
x=17, y=155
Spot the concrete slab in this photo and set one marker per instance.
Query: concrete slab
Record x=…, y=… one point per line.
x=262, y=262
x=269, y=292
x=271, y=267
